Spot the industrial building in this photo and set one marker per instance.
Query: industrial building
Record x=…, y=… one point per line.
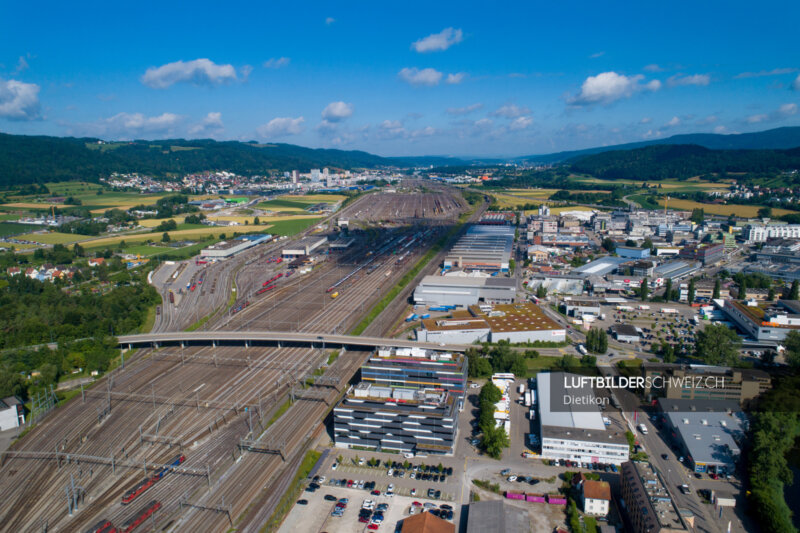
x=483, y=247
x=764, y=321
x=226, y=249
x=703, y=382
x=577, y=432
x=600, y=267
x=303, y=247
x=496, y=516
x=408, y=402
x=632, y=252
x=515, y=323
x=12, y=413
x=708, y=432
x=626, y=333
x=675, y=270
x=647, y=501
x=464, y=290
x=579, y=307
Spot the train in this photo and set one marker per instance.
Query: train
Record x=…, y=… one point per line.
x=143, y=515
x=145, y=484
x=274, y=278
x=240, y=307
x=103, y=526
x=171, y=297
x=265, y=289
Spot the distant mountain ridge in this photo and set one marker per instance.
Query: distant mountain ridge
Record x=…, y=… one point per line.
x=38, y=159
x=774, y=139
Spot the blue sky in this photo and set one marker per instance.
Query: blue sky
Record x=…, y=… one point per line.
x=413, y=78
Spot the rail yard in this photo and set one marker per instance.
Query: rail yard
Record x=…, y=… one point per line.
x=200, y=432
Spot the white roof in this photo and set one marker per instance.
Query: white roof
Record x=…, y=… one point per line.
x=585, y=417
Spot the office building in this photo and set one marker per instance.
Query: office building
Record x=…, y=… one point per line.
x=759, y=233
x=647, y=501
x=703, y=382
x=577, y=432
x=707, y=254
x=408, y=401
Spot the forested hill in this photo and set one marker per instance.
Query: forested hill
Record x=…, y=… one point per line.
x=683, y=161
x=39, y=159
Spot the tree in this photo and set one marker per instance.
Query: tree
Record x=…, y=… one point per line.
x=494, y=440
x=667, y=352
x=609, y=245
x=490, y=393
x=165, y=237
x=644, y=289
x=718, y=345
x=698, y=215
x=717, y=287
x=691, y=291
x=518, y=366
x=566, y=363
x=630, y=243
x=668, y=290
x=765, y=212
x=256, y=221
x=792, y=345
x=647, y=243
x=541, y=291
x=742, y=290
x=794, y=293
x=771, y=294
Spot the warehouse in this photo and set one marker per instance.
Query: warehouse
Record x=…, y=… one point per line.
x=515, y=323
x=483, y=247
x=303, y=247
x=226, y=249
x=600, y=267
x=463, y=290
x=579, y=307
x=626, y=333
x=577, y=431
x=707, y=431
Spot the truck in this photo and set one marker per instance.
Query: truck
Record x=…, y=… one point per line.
x=426, y=315
x=582, y=349
x=533, y=396
x=669, y=310
x=644, y=307
x=521, y=388
x=528, y=399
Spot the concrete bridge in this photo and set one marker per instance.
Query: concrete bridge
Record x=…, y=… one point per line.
x=275, y=338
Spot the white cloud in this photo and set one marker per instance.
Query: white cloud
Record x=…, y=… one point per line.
x=246, y=70
x=337, y=111
x=711, y=119
x=511, y=111
x=787, y=110
x=653, y=68
x=646, y=120
x=277, y=62
x=281, y=127
x=19, y=100
x=796, y=83
x=608, y=87
x=199, y=72
x=22, y=65
x=521, y=123
x=674, y=121
x=596, y=55
x=131, y=126
x=330, y=20
x=762, y=73
x=696, y=79
x=720, y=129
x=438, y=42
x=211, y=124
x=415, y=76
x=427, y=131
x=455, y=79
x=464, y=110
x=483, y=123
x=755, y=119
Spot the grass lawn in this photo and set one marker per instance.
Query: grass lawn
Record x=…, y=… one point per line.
x=146, y=250
x=291, y=226
x=540, y=363
x=73, y=188
x=54, y=237
x=6, y=216
x=10, y=228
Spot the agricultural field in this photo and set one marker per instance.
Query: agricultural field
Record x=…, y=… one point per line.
x=33, y=206
x=8, y=229
x=292, y=225
x=291, y=202
x=723, y=209
x=690, y=185
x=177, y=235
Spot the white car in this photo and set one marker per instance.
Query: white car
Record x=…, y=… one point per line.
x=361, y=462
x=408, y=455
x=334, y=466
x=322, y=479
x=512, y=478
x=390, y=472
x=391, y=487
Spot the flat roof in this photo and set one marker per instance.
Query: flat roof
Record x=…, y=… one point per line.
x=588, y=417
x=601, y=266
x=516, y=317
x=625, y=329
x=710, y=429
x=497, y=516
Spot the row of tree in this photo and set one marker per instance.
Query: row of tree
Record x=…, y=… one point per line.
x=493, y=438
x=597, y=340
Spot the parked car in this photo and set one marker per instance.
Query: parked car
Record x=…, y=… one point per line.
x=302, y=502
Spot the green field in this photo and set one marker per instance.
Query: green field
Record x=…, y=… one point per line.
x=291, y=227
x=54, y=237
x=4, y=217
x=72, y=188
x=280, y=203
x=8, y=229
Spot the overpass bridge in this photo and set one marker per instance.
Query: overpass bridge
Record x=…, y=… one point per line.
x=275, y=338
